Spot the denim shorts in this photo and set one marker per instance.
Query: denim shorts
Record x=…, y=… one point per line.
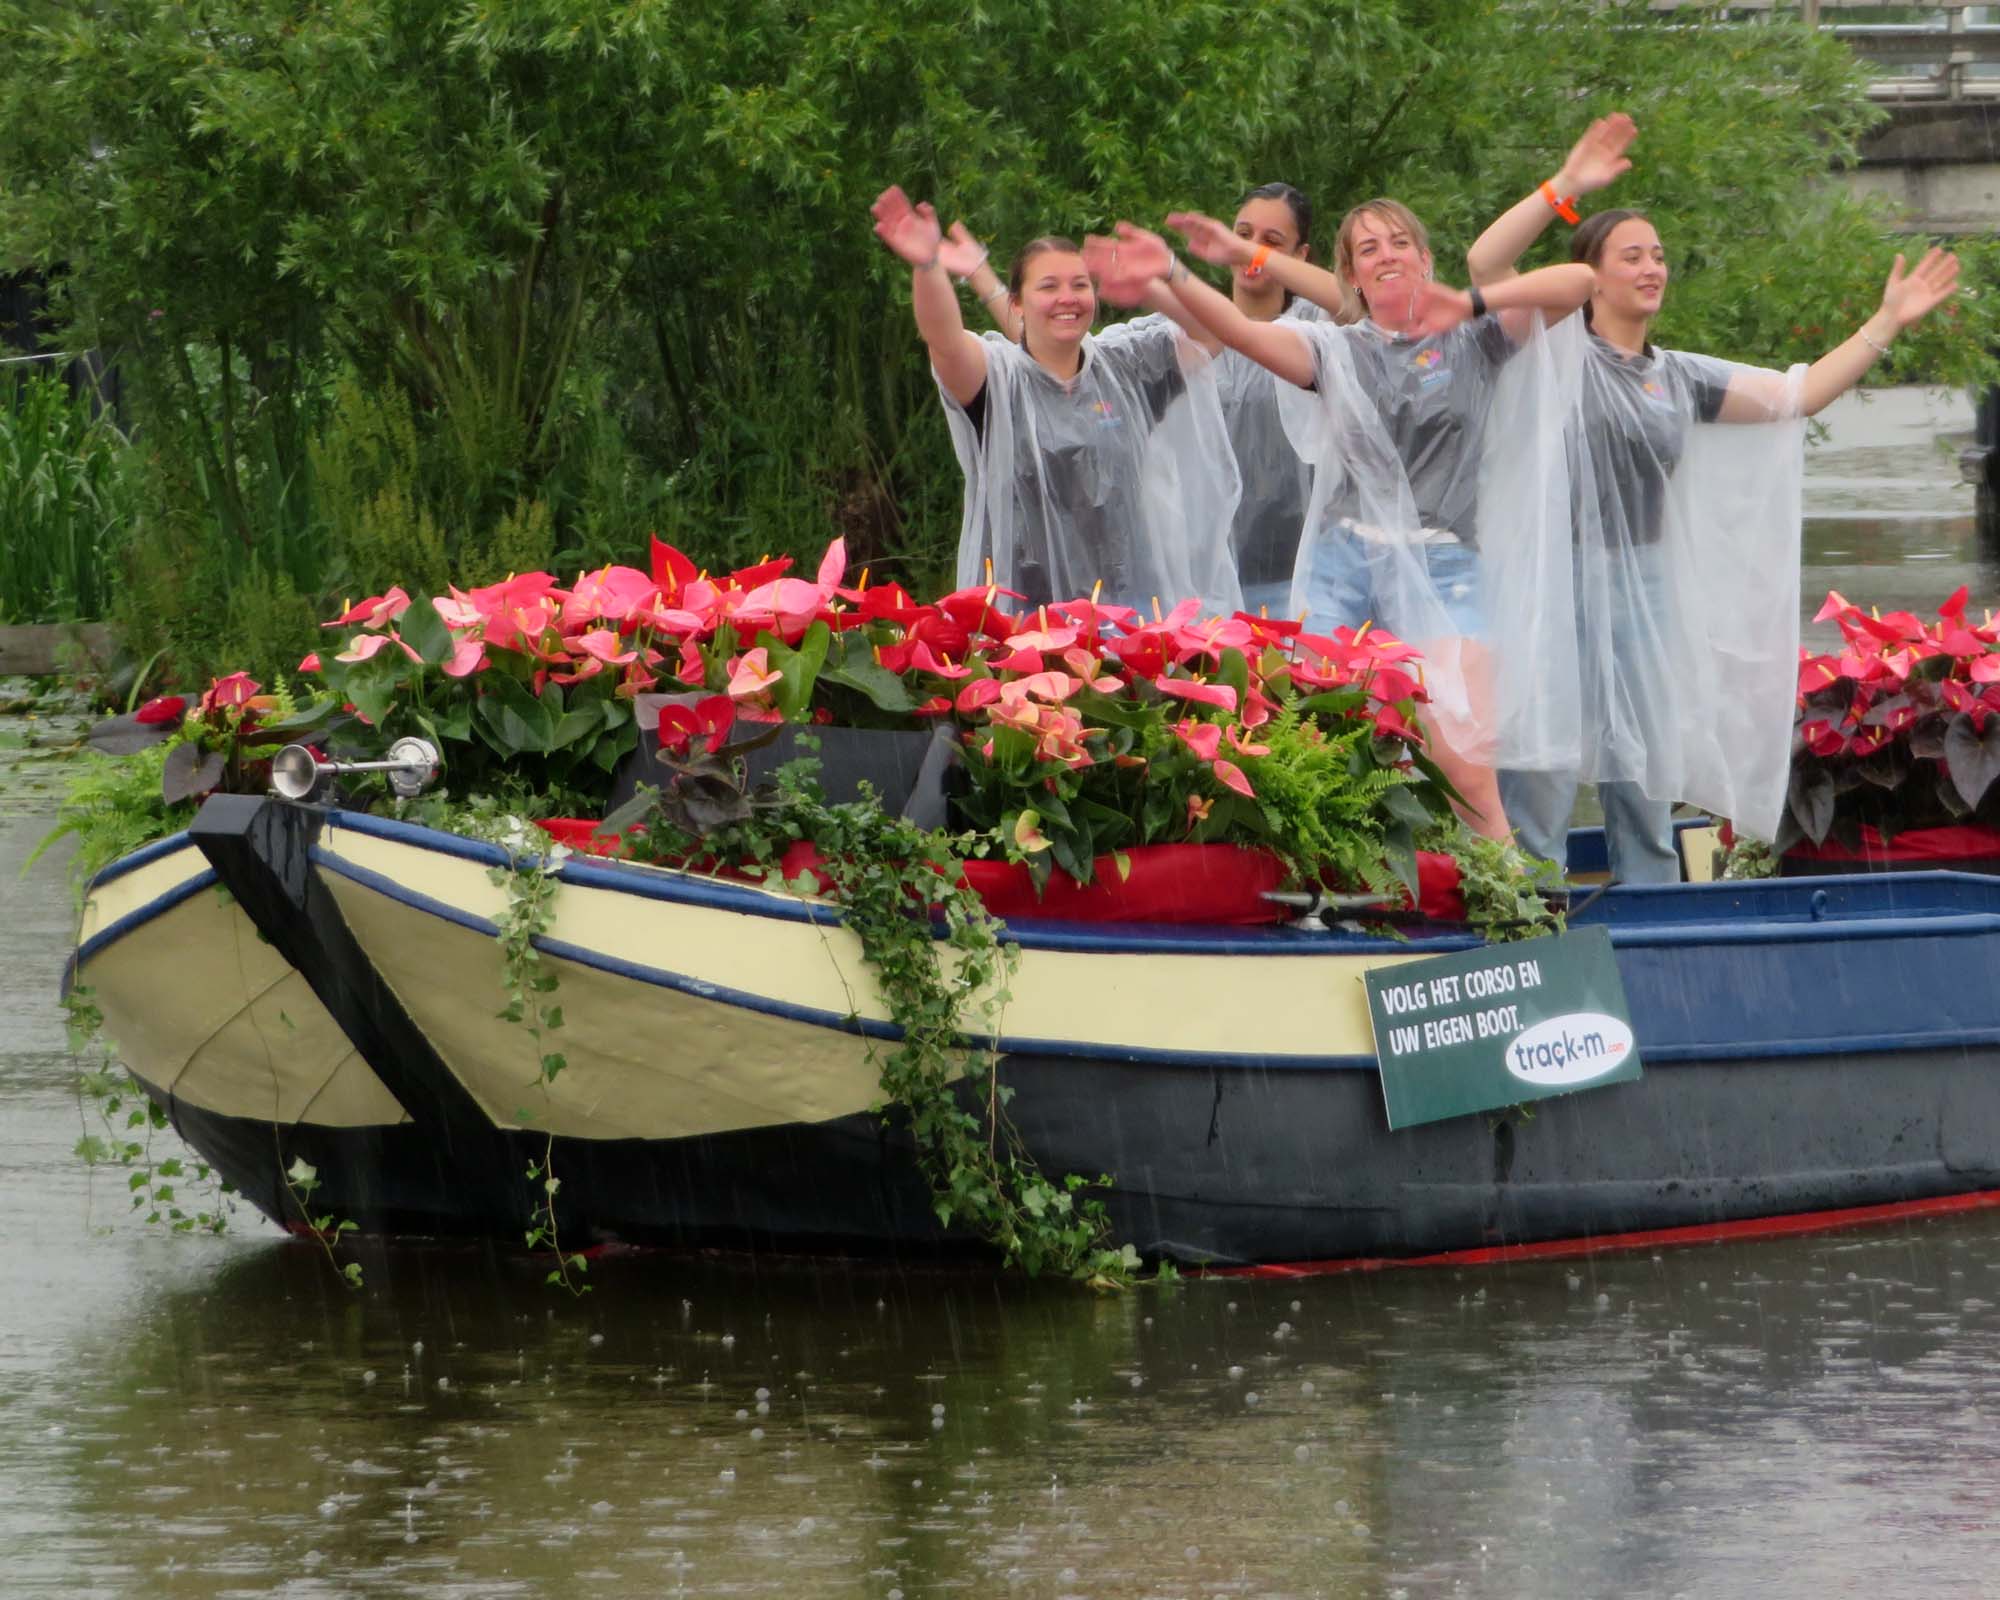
x=1341, y=588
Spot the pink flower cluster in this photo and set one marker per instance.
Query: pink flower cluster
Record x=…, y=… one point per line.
x=1891, y=672
x=965, y=655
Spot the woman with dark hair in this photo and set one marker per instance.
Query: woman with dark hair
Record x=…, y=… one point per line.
x=1095, y=464
x=1391, y=413
x=1681, y=594
x=1275, y=484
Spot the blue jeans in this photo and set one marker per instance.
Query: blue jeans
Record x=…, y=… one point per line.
x=1638, y=831
x=1341, y=590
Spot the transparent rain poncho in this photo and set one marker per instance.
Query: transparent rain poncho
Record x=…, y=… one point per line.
x=1123, y=476
x=1680, y=597
x=1276, y=484
x=1411, y=486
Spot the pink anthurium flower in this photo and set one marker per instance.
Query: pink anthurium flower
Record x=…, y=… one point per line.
x=468, y=655
x=602, y=643
x=1203, y=738
x=311, y=662
x=1198, y=690
x=751, y=674
x=1243, y=745
x=980, y=692
x=1232, y=775
x=375, y=612
x=364, y=646
x=611, y=594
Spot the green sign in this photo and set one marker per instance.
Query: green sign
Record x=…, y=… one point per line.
x=1495, y=1026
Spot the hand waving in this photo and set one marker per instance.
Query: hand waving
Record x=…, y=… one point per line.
x=1211, y=240
x=1126, y=266
x=1598, y=158
x=911, y=231
x=1908, y=297
x=1437, y=308
x=960, y=254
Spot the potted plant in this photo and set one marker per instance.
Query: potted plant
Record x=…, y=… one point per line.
x=1896, y=747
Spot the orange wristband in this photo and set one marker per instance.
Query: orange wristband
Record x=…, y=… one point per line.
x=1564, y=208
x=1256, y=267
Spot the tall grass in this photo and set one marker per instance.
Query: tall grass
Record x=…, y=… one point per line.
x=65, y=502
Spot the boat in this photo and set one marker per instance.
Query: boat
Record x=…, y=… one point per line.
x=301, y=982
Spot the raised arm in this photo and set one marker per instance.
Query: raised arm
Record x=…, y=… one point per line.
x=1906, y=298
x=964, y=257
x=1147, y=272
x=1594, y=163
x=957, y=355
x=1553, y=291
x=1219, y=243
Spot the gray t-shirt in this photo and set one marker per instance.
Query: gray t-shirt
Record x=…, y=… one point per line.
x=1433, y=394
x=1634, y=423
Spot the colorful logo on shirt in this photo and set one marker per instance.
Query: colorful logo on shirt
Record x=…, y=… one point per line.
x=1106, y=417
x=1429, y=367
x=1653, y=389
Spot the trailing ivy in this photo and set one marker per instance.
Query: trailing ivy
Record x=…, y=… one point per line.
x=1507, y=891
x=531, y=879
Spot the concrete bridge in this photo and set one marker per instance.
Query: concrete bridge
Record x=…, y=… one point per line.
x=1937, y=74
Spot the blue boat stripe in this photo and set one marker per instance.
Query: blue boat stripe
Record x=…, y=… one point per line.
x=158, y=906
x=145, y=855
x=814, y=1016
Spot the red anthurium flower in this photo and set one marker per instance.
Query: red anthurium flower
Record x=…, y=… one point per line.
x=1867, y=741
x=979, y=692
x=708, y=719
x=1204, y=693
x=1959, y=643
x=924, y=659
x=1985, y=670
x=1270, y=630
x=636, y=681
x=1822, y=738
x=235, y=691
x=1092, y=617
x=1214, y=636
x=936, y=706
x=672, y=571
x=1955, y=695
x=374, y=612
x=1026, y=661
x=164, y=708
x=1816, y=672
x=1232, y=775
x=311, y=662
x=762, y=573
x=1391, y=683
x=1836, y=605
x=1954, y=606
x=1203, y=738
x=1390, y=723
x=976, y=610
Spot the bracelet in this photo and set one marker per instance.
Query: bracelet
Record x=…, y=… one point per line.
x=1879, y=349
x=1563, y=207
x=1256, y=267
x=928, y=266
x=1177, y=271
x=966, y=277
x=1478, y=301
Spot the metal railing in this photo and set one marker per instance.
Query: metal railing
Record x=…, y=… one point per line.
x=1932, y=53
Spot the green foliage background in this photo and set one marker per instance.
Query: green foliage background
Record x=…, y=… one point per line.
x=409, y=287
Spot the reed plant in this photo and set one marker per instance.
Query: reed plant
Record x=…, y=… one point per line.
x=65, y=502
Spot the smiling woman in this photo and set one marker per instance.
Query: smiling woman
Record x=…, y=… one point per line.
x=1095, y=464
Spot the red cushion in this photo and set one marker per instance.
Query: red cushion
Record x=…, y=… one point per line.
x=1959, y=843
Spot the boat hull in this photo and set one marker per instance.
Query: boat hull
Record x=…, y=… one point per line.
x=1800, y=1054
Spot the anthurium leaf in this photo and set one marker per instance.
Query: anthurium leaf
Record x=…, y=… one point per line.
x=423, y=630
x=1926, y=739
x=1403, y=804
x=189, y=771
x=1235, y=671
x=1885, y=768
x=1949, y=797
x=515, y=721
x=1399, y=845
x=798, y=669
x=126, y=735
x=869, y=678
x=1972, y=756
x=304, y=720
x=1811, y=800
